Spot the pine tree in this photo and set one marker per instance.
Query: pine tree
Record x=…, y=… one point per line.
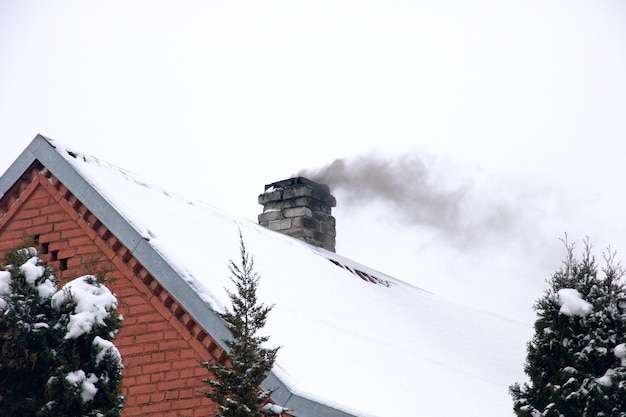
x=235, y=387
x=576, y=361
x=56, y=352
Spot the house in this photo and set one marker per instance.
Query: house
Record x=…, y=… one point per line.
x=355, y=342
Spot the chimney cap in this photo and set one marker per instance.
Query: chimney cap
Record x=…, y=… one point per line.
x=299, y=181
x=318, y=191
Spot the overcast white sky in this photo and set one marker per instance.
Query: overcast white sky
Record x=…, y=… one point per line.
x=473, y=134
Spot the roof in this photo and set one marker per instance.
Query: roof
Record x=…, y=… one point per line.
x=355, y=342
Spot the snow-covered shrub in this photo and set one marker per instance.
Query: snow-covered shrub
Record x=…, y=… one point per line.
x=56, y=352
x=576, y=361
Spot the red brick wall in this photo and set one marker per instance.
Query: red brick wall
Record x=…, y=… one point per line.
x=161, y=345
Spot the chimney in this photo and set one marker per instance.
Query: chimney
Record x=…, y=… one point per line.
x=300, y=208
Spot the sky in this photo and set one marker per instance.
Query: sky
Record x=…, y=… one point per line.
x=462, y=140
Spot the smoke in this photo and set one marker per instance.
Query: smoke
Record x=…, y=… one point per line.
x=461, y=206
x=451, y=228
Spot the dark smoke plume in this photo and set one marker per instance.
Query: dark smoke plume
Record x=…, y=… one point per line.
x=415, y=190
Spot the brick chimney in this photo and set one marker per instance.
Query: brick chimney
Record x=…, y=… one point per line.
x=300, y=208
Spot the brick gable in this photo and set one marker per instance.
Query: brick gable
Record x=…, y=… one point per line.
x=160, y=343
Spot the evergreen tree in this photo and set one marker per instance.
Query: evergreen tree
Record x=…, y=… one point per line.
x=87, y=377
x=235, y=387
x=576, y=360
x=26, y=355
x=56, y=352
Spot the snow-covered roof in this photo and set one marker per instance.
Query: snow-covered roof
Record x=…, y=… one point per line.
x=354, y=340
